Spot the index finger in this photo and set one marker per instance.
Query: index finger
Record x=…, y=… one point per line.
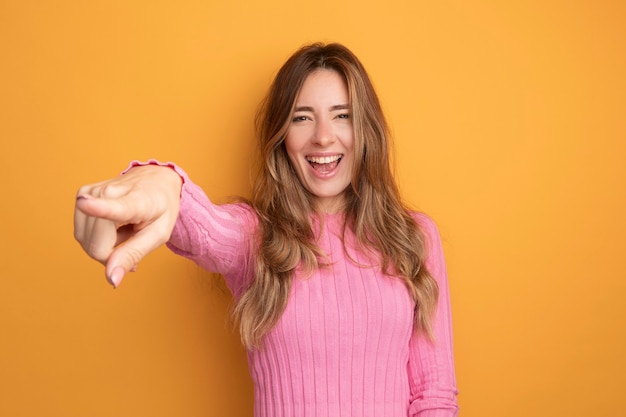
x=119, y=210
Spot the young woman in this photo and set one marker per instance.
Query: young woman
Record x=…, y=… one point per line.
x=340, y=291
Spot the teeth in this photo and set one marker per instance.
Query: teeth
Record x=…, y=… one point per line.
x=323, y=159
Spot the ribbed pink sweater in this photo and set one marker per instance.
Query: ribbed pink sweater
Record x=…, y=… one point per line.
x=345, y=345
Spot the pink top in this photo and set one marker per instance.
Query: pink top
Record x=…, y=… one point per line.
x=345, y=345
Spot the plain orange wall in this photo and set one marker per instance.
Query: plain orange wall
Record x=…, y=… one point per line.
x=510, y=132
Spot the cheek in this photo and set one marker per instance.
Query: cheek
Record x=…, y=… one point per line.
x=349, y=144
x=350, y=139
x=289, y=148
x=294, y=143
x=292, y=155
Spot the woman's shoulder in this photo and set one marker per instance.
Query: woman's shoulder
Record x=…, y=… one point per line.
x=424, y=221
x=428, y=227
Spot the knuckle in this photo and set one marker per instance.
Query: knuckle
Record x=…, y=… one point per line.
x=135, y=255
x=85, y=189
x=107, y=190
x=163, y=233
x=96, y=252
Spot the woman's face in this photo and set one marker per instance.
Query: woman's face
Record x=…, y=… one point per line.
x=320, y=139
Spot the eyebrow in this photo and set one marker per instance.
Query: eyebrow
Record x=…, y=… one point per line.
x=332, y=108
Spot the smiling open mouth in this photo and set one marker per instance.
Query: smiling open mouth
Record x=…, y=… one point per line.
x=324, y=164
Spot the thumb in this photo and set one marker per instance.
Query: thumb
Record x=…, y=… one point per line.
x=127, y=256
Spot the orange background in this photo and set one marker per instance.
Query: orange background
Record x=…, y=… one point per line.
x=510, y=132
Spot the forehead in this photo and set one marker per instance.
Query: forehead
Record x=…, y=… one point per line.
x=323, y=85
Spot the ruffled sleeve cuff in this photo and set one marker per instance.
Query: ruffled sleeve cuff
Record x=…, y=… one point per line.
x=181, y=172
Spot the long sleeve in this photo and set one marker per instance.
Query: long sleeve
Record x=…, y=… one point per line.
x=219, y=238
x=431, y=364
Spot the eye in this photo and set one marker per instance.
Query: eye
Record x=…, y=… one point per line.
x=343, y=116
x=299, y=119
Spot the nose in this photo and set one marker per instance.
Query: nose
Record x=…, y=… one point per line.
x=324, y=134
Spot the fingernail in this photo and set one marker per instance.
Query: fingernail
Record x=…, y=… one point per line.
x=84, y=197
x=116, y=276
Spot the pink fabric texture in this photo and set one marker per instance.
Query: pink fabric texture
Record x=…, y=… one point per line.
x=345, y=345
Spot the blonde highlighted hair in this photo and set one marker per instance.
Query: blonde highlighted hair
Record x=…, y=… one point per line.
x=374, y=209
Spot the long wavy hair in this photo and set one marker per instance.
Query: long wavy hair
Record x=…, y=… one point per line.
x=374, y=210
